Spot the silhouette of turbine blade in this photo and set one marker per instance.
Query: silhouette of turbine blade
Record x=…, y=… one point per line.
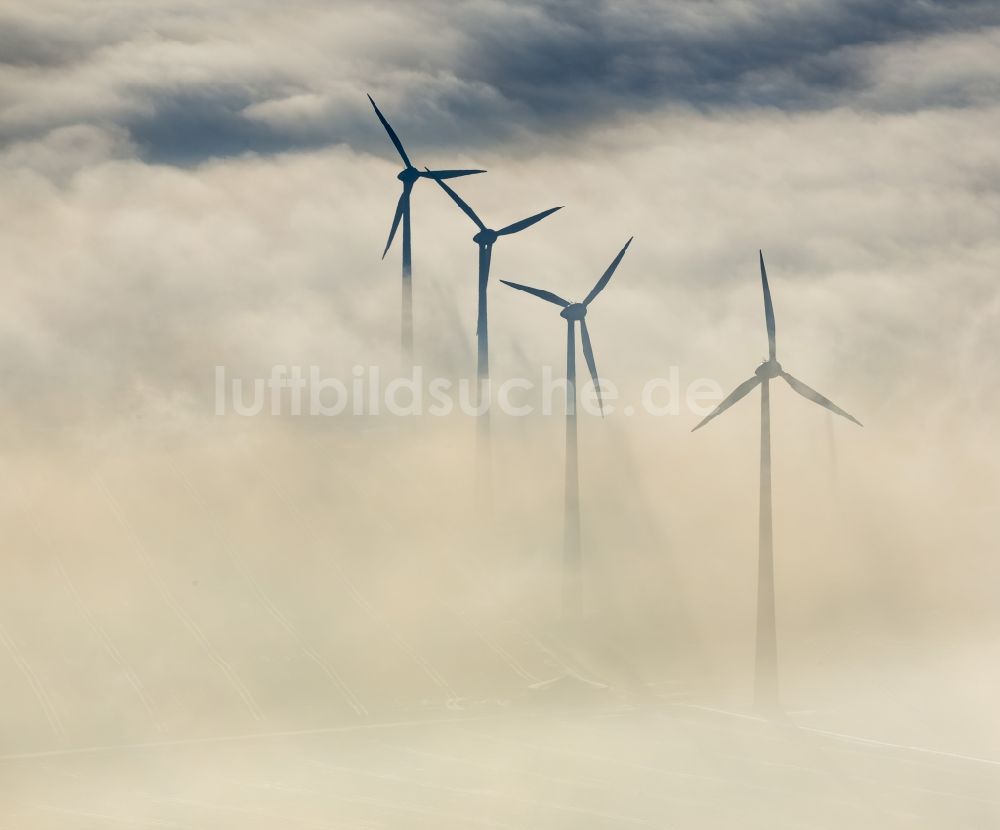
x=606, y=276
x=816, y=397
x=392, y=134
x=458, y=201
x=588, y=353
x=449, y=174
x=527, y=223
x=402, y=206
x=772, y=348
x=740, y=391
x=539, y=292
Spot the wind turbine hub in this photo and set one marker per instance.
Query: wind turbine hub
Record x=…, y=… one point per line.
x=768, y=369
x=576, y=311
x=486, y=237
x=409, y=175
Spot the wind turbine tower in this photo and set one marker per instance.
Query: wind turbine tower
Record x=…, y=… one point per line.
x=766, y=662
x=574, y=314
x=408, y=177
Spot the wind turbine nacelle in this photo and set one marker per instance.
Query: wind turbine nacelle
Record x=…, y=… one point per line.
x=409, y=175
x=486, y=237
x=768, y=369
x=575, y=311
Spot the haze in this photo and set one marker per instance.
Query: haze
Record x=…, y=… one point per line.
x=211, y=621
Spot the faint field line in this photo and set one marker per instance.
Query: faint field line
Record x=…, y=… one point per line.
x=882, y=781
x=555, y=660
x=495, y=794
x=969, y=772
x=846, y=742
x=228, y=671
x=508, y=658
x=96, y=628
x=850, y=780
x=919, y=749
x=36, y=685
x=674, y=773
x=272, y=786
x=415, y=809
x=328, y=823
x=853, y=786
x=130, y=820
x=362, y=602
x=250, y=736
x=849, y=738
x=584, y=783
x=847, y=784
x=342, y=686
x=281, y=818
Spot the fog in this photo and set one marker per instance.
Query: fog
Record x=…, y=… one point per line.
x=215, y=620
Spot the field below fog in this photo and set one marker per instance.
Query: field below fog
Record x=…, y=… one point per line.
x=324, y=630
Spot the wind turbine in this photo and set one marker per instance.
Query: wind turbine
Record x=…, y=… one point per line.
x=485, y=238
x=766, y=665
x=408, y=176
x=574, y=313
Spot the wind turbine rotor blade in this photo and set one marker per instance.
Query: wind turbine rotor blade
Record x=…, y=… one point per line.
x=548, y=296
x=588, y=353
x=527, y=223
x=606, y=276
x=449, y=174
x=772, y=348
x=740, y=391
x=458, y=201
x=392, y=134
x=816, y=397
x=401, y=207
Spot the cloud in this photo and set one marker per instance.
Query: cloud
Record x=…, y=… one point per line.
x=190, y=84
x=163, y=272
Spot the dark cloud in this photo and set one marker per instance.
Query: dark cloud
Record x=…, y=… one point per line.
x=464, y=75
x=188, y=125
x=25, y=43
x=584, y=60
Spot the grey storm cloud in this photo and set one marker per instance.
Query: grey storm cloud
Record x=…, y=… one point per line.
x=639, y=54
x=249, y=78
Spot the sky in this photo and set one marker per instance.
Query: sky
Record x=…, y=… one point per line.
x=178, y=174
x=189, y=185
